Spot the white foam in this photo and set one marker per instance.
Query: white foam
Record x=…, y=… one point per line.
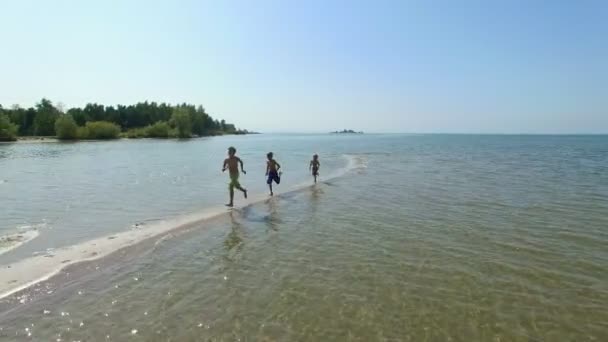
x=27, y=272
x=12, y=241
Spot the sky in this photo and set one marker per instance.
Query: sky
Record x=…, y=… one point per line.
x=516, y=66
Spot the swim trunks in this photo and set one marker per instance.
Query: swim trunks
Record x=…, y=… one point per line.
x=273, y=176
x=234, y=181
x=315, y=171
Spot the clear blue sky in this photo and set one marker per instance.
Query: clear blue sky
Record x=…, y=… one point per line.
x=380, y=66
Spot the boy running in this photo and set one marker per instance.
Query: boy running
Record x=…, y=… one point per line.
x=272, y=171
x=314, y=166
x=232, y=164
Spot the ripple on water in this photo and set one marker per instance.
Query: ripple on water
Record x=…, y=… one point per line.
x=442, y=247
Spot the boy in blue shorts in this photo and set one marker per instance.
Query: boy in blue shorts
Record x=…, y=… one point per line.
x=272, y=171
x=314, y=166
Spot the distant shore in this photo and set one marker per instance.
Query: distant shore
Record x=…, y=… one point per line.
x=52, y=139
x=99, y=122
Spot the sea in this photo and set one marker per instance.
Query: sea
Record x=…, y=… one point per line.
x=406, y=237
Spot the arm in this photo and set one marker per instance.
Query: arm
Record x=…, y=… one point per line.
x=242, y=169
x=267, y=168
x=310, y=166
x=225, y=163
x=278, y=165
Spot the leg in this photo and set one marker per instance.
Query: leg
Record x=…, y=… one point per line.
x=269, y=182
x=277, y=179
x=243, y=190
x=231, y=196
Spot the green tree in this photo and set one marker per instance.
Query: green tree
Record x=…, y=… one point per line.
x=229, y=128
x=46, y=115
x=160, y=129
x=24, y=118
x=199, y=118
x=95, y=112
x=181, y=122
x=134, y=120
x=66, y=128
x=8, y=130
x=102, y=130
x=78, y=115
x=30, y=115
x=112, y=115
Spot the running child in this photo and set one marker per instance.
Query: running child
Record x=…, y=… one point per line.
x=314, y=166
x=232, y=164
x=272, y=171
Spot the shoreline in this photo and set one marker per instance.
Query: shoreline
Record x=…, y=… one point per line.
x=14, y=240
x=23, y=274
x=52, y=139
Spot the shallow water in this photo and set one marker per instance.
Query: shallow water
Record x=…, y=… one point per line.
x=71, y=192
x=436, y=238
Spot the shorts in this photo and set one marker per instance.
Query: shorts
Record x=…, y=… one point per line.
x=315, y=171
x=234, y=181
x=273, y=176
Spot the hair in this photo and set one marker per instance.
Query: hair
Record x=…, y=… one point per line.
x=270, y=154
x=315, y=156
x=232, y=149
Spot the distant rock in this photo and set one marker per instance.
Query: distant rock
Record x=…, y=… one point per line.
x=346, y=131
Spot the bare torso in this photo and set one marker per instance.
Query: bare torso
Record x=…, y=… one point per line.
x=232, y=163
x=272, y=166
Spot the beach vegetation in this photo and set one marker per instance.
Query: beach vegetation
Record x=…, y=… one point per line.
x=8, y=130
x=66, y=128
x=102, y=130
x=181, y=120
x=82, y=133
x=140, y=120
x=44, y=120
x=161, y=129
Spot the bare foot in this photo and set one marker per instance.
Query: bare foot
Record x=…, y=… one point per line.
x=271, y=194
x=230, y=205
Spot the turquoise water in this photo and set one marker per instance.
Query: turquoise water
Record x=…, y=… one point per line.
x=423, y=238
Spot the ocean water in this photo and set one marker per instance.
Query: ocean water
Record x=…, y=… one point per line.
x=407, y=238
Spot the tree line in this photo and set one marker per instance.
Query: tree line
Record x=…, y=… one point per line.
x=96, y=121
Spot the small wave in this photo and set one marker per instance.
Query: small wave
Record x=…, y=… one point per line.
x=36, y=226
x=356, y=162
x=11, y=241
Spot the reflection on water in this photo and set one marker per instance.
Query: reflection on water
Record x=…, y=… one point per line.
x=272, y=219
x=511, y=247
x=234, y=239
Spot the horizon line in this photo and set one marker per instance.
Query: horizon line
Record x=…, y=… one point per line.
x=433, y=133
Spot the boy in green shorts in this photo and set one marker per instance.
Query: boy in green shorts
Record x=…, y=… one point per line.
x=232, y=164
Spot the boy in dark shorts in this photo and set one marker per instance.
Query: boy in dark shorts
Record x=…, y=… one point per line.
x=232, y=164
x=272, y=171
x=314, y=166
